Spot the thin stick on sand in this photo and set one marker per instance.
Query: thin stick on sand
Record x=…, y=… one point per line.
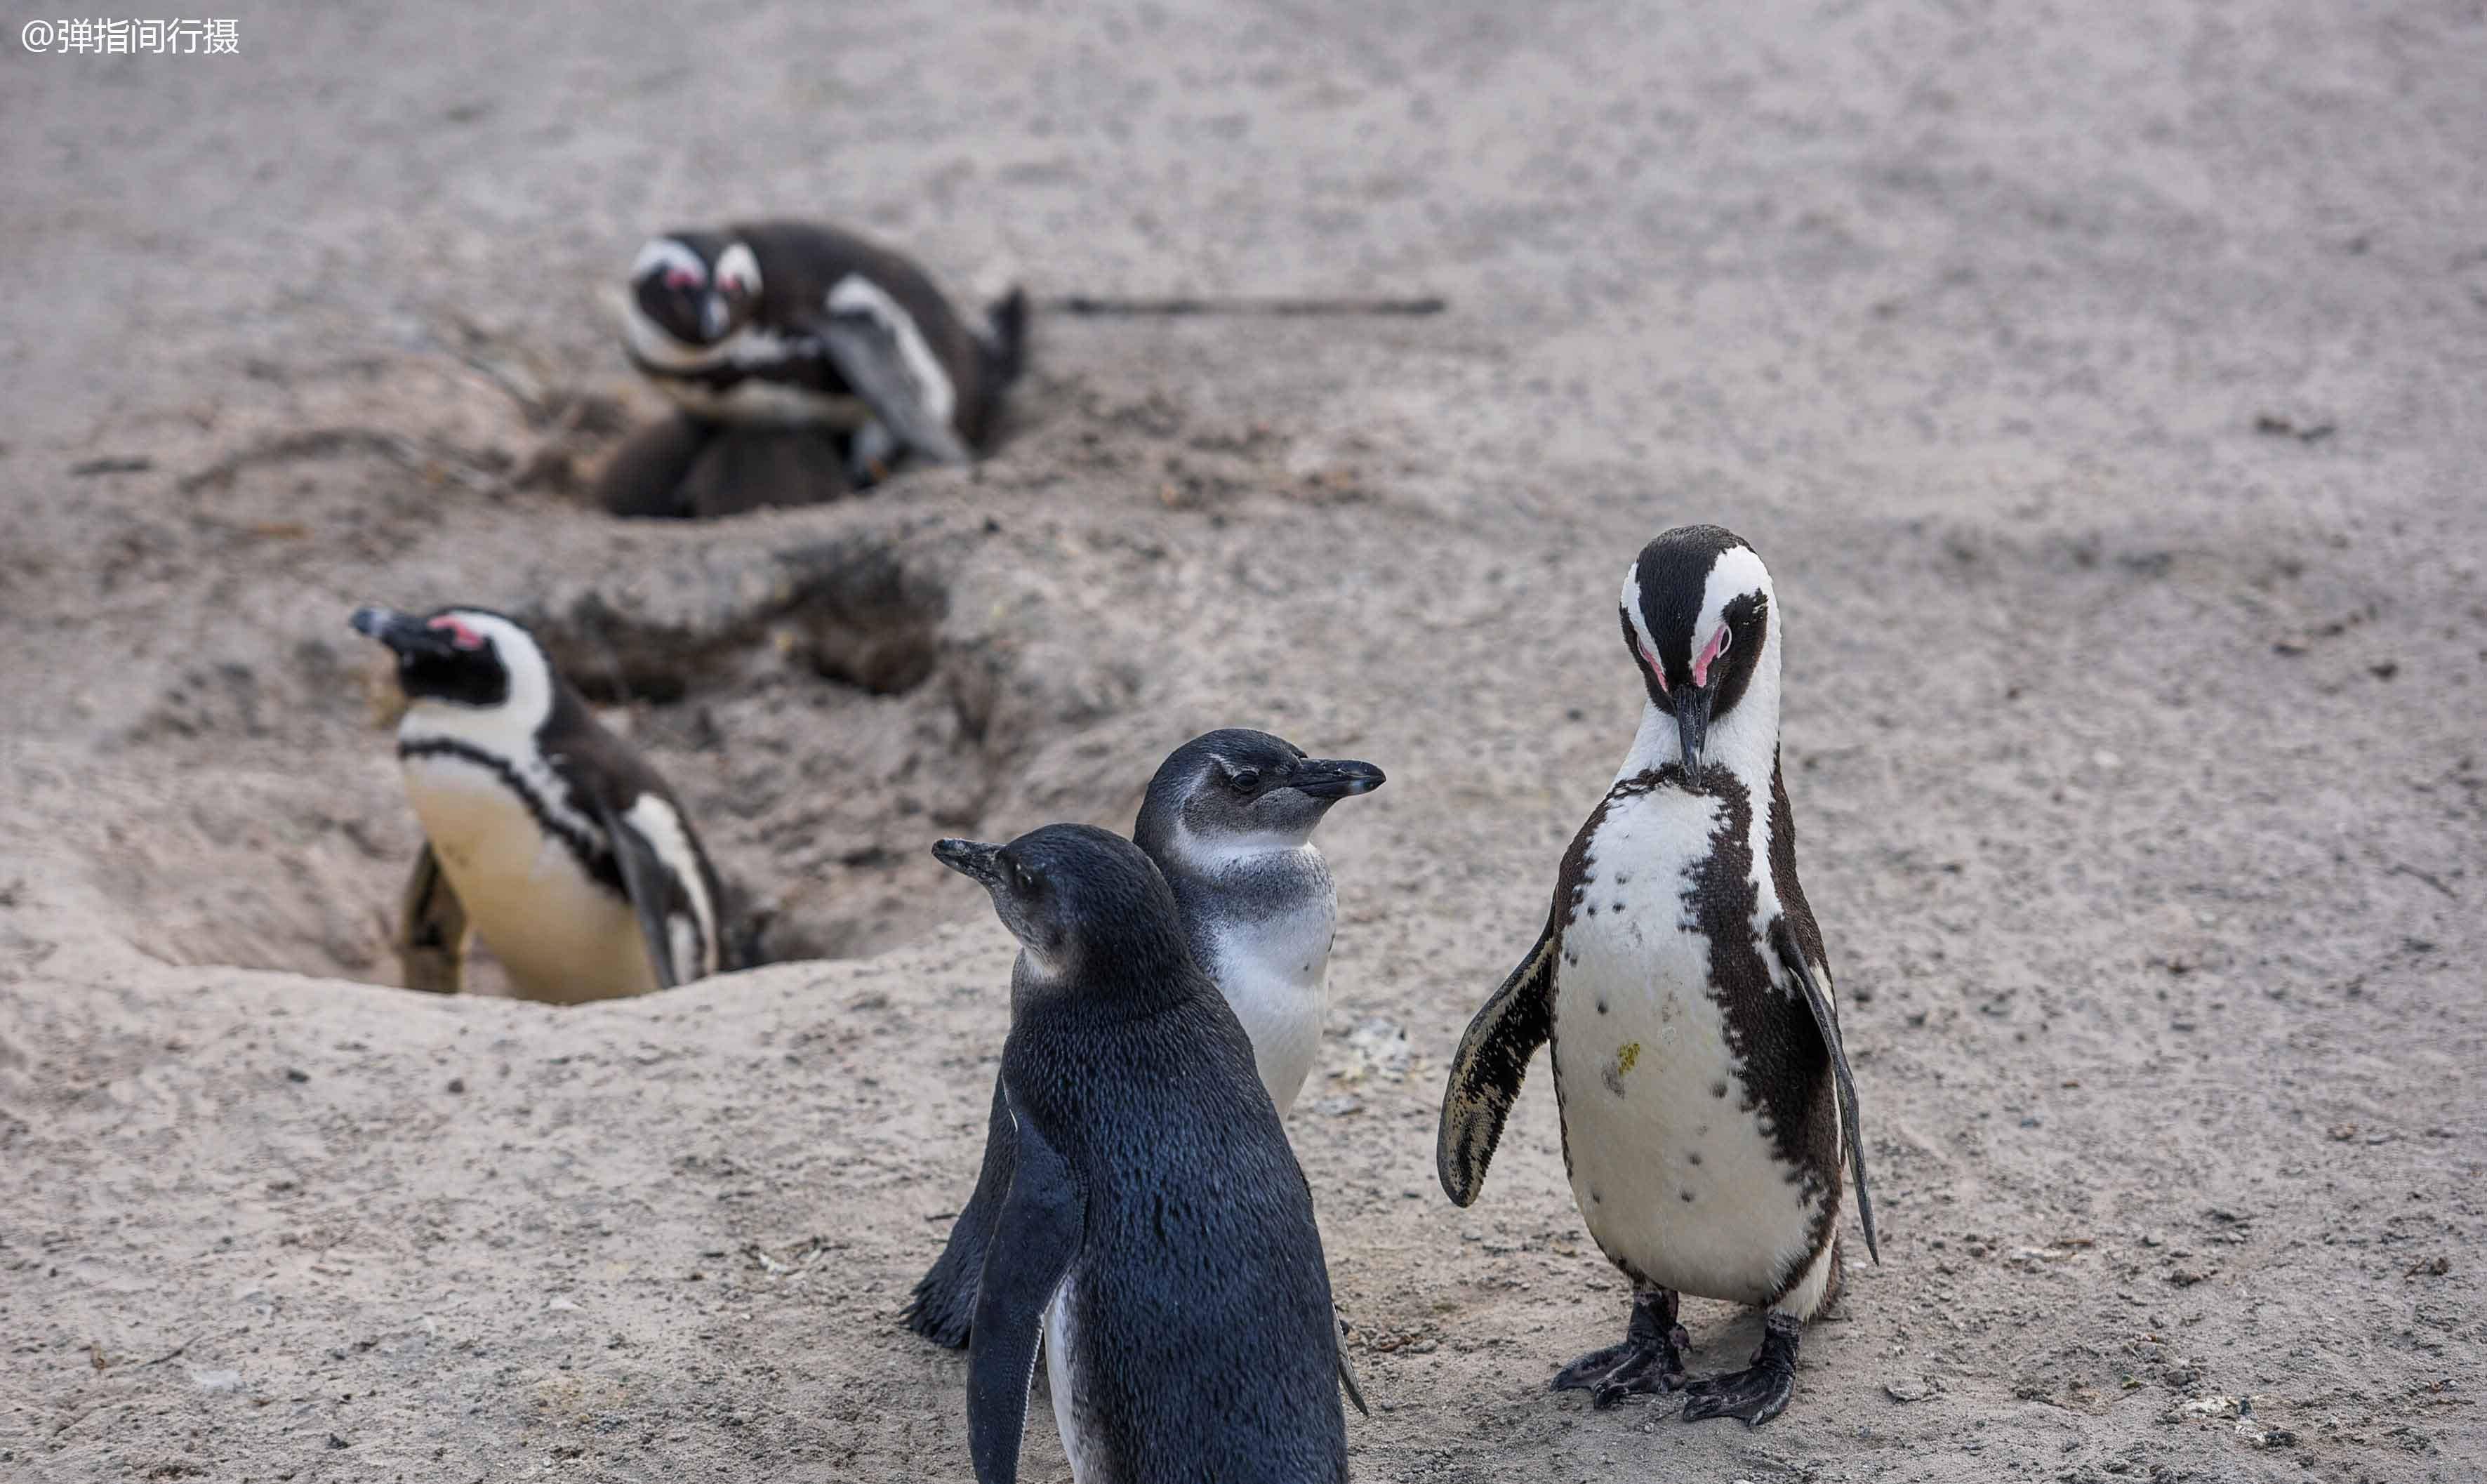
x=1098, y=306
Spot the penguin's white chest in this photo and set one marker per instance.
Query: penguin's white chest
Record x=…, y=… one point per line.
x=1275, y=972
x=755, y=398
x=561, y=935
x=756, y=402
x=1674, y=1175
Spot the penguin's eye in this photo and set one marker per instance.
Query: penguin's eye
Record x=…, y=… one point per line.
x=681, y=278
x=1726, y=636
x=1244, y=780
x=1027, y=879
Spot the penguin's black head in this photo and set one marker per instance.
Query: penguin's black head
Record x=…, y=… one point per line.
x=697, y=287
x=1236, y=789
x=1696, y=615
x=1074, y=896
x=461, y=657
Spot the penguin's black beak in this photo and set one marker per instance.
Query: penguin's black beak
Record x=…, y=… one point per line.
x=713, y=315
x=971, y=859
x=403, y=632
x=1334, y=778
x=1692, y=726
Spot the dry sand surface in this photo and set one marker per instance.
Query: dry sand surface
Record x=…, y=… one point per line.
x=2103, y=384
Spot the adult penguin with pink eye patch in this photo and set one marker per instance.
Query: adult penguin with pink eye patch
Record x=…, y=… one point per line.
x=1707, y=1105
x=544, y=832
x=806, y=361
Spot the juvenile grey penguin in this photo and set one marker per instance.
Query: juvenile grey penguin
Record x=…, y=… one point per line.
x=799, y=337
x=1157, y=1231
x=543, y=830
x=1706, y=1099
x=1228, y=821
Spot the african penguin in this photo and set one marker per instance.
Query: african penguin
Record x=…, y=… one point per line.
x=1706, y=1099
x=1157, y=1231
x=794, y=323
x=1228, y=821
x=561, y=847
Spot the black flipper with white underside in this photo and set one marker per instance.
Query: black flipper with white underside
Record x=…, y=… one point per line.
x=1491, y=1061
x=644, y=877
x=882, y=357
x=1827, y=1021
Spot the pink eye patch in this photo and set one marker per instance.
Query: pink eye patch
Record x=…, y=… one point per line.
x=681, y=278
x=1654, y=668
x=458, y=633
x=1708, y=657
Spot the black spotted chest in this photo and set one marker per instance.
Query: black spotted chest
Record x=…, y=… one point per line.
x=1674, y=1156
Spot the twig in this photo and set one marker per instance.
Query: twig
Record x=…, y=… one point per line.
x=1097, y=306
x=2428, y=877
x=138, y=464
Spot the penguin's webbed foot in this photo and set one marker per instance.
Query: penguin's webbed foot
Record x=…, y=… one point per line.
x=1649, y=1361
x=1760, y=1391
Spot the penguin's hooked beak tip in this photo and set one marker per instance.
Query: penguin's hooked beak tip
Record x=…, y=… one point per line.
x=971, y=859
x=1691, y=728
x=399, y=632
x=1335, y=778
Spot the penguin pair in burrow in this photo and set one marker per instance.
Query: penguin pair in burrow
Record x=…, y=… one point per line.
x=544, y=832
x=1228, y=821
x=1705, y=1097
x=1156, y=1231
x=807, y=361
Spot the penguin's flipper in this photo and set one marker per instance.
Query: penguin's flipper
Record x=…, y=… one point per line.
x=431, y=927
x=1037, y=1239
x=643, y=878
x=1827, y=1021
x=867, y=338
x=944, y=1303
x=1347, y=1378
x=1493, y=1058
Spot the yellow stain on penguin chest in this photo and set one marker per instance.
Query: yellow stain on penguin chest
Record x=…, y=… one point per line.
x=1622, y=1062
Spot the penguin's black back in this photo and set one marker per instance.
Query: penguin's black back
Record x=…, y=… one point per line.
x=1200, y=1306
x=801, y=262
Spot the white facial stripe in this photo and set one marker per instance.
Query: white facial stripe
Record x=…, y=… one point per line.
x=736, y=264
x=663, y=827
x=1738, y=570
x=1631, y=604
x=668, y=254
x=506, y=731
x=855, y=293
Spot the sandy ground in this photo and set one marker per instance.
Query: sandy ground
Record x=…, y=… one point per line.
x=2101, y=383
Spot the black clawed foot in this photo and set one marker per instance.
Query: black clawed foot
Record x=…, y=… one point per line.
x=1649, y=1361
x=1757, y=1393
